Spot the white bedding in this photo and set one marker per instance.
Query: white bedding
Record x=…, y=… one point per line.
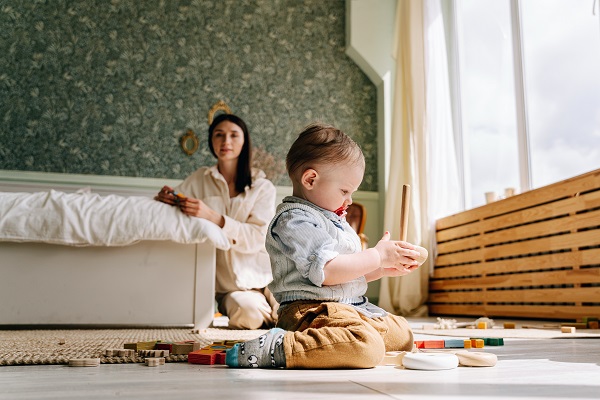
x=89, y=219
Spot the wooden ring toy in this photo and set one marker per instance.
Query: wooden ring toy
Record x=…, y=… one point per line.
x=393, y=358
x=476, y=359
x=430, y=361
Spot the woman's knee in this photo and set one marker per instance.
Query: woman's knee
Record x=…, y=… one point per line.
x=246, y=318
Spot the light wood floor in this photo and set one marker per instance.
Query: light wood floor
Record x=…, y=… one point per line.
x=527, y=368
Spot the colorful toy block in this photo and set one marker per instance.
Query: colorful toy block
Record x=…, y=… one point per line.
x=467, y=344
x=454, y=343
x=477, y=343
x=141, y=345
x=509, y=325
x=491, y=341
x=206, y=356
x=433, y=344
x=567, y=329
x=164, y=346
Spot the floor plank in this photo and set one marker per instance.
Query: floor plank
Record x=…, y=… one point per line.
x=526, y=368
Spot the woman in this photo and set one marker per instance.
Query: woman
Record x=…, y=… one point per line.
x=241, y=201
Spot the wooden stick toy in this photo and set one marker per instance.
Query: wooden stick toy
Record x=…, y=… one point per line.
x=404, y=210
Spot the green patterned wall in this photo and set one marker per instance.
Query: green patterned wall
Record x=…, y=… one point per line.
x=108, y=87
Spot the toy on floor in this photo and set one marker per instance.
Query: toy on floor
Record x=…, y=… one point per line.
x=430, y=361
x=84, y=362
x=438, y=359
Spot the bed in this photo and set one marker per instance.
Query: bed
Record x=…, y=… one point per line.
x=107, y=260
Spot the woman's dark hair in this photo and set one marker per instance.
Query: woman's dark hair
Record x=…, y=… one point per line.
x=244, y=166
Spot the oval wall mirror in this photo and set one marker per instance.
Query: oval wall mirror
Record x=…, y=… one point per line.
x=189, y=142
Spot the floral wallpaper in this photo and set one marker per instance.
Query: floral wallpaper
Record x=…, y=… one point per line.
x=108, y=87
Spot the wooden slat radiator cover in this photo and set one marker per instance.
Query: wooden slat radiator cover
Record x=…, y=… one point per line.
x=534, y=255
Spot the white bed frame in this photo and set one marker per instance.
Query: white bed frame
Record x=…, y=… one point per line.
x=150, y=284
x=146, y=284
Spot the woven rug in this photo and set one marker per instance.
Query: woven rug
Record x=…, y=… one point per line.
x=27, y=347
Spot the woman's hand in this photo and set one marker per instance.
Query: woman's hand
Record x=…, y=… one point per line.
x=197, y=208
x=166, y=196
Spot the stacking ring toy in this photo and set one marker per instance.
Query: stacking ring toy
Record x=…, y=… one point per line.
x=430, y=361
x=476, y=359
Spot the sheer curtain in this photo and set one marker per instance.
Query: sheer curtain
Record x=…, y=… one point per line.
x=422, y=146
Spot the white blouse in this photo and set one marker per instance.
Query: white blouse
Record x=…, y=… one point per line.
x=246, y=264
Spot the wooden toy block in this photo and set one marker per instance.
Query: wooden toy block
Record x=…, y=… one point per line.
x=195, y=345
x=509, y=325
x=154, y=361
x=119, y=353
x=593, y=325
x=477, y=343
x=111, y=352
x=578, y=325
x=126, y=353
x=494, y=341
x=467, y=344
x=182, y=348
x=164, y=346
x=204, y=356
x=490, y=341
x=482, y=325
x=153, y=353
x=84, y=362
x=567, y=329
x=146, y=345
x=454, y=343
x=221, y=358
x=419, y=344
x=131, y=346
x=433, y=344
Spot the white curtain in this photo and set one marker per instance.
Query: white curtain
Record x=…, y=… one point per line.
x=423, y=150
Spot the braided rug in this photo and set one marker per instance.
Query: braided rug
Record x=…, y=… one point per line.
x=28, y=347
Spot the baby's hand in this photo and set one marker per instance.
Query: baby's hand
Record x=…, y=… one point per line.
x=397, y=257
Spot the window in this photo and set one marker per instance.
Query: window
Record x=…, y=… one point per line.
x=527, y=80
x=561, y=53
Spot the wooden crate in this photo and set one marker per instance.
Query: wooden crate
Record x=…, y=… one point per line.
x=534, y=255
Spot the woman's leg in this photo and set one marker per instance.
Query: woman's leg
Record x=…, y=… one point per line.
x=248, y=309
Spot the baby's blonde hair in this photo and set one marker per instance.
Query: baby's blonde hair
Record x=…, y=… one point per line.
x=320, y=143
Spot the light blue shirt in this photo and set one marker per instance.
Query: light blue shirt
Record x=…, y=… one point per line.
x=301, y=239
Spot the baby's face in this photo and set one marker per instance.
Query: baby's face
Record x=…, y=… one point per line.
x=335, y=185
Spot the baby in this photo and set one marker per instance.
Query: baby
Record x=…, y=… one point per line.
x=320, y=271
